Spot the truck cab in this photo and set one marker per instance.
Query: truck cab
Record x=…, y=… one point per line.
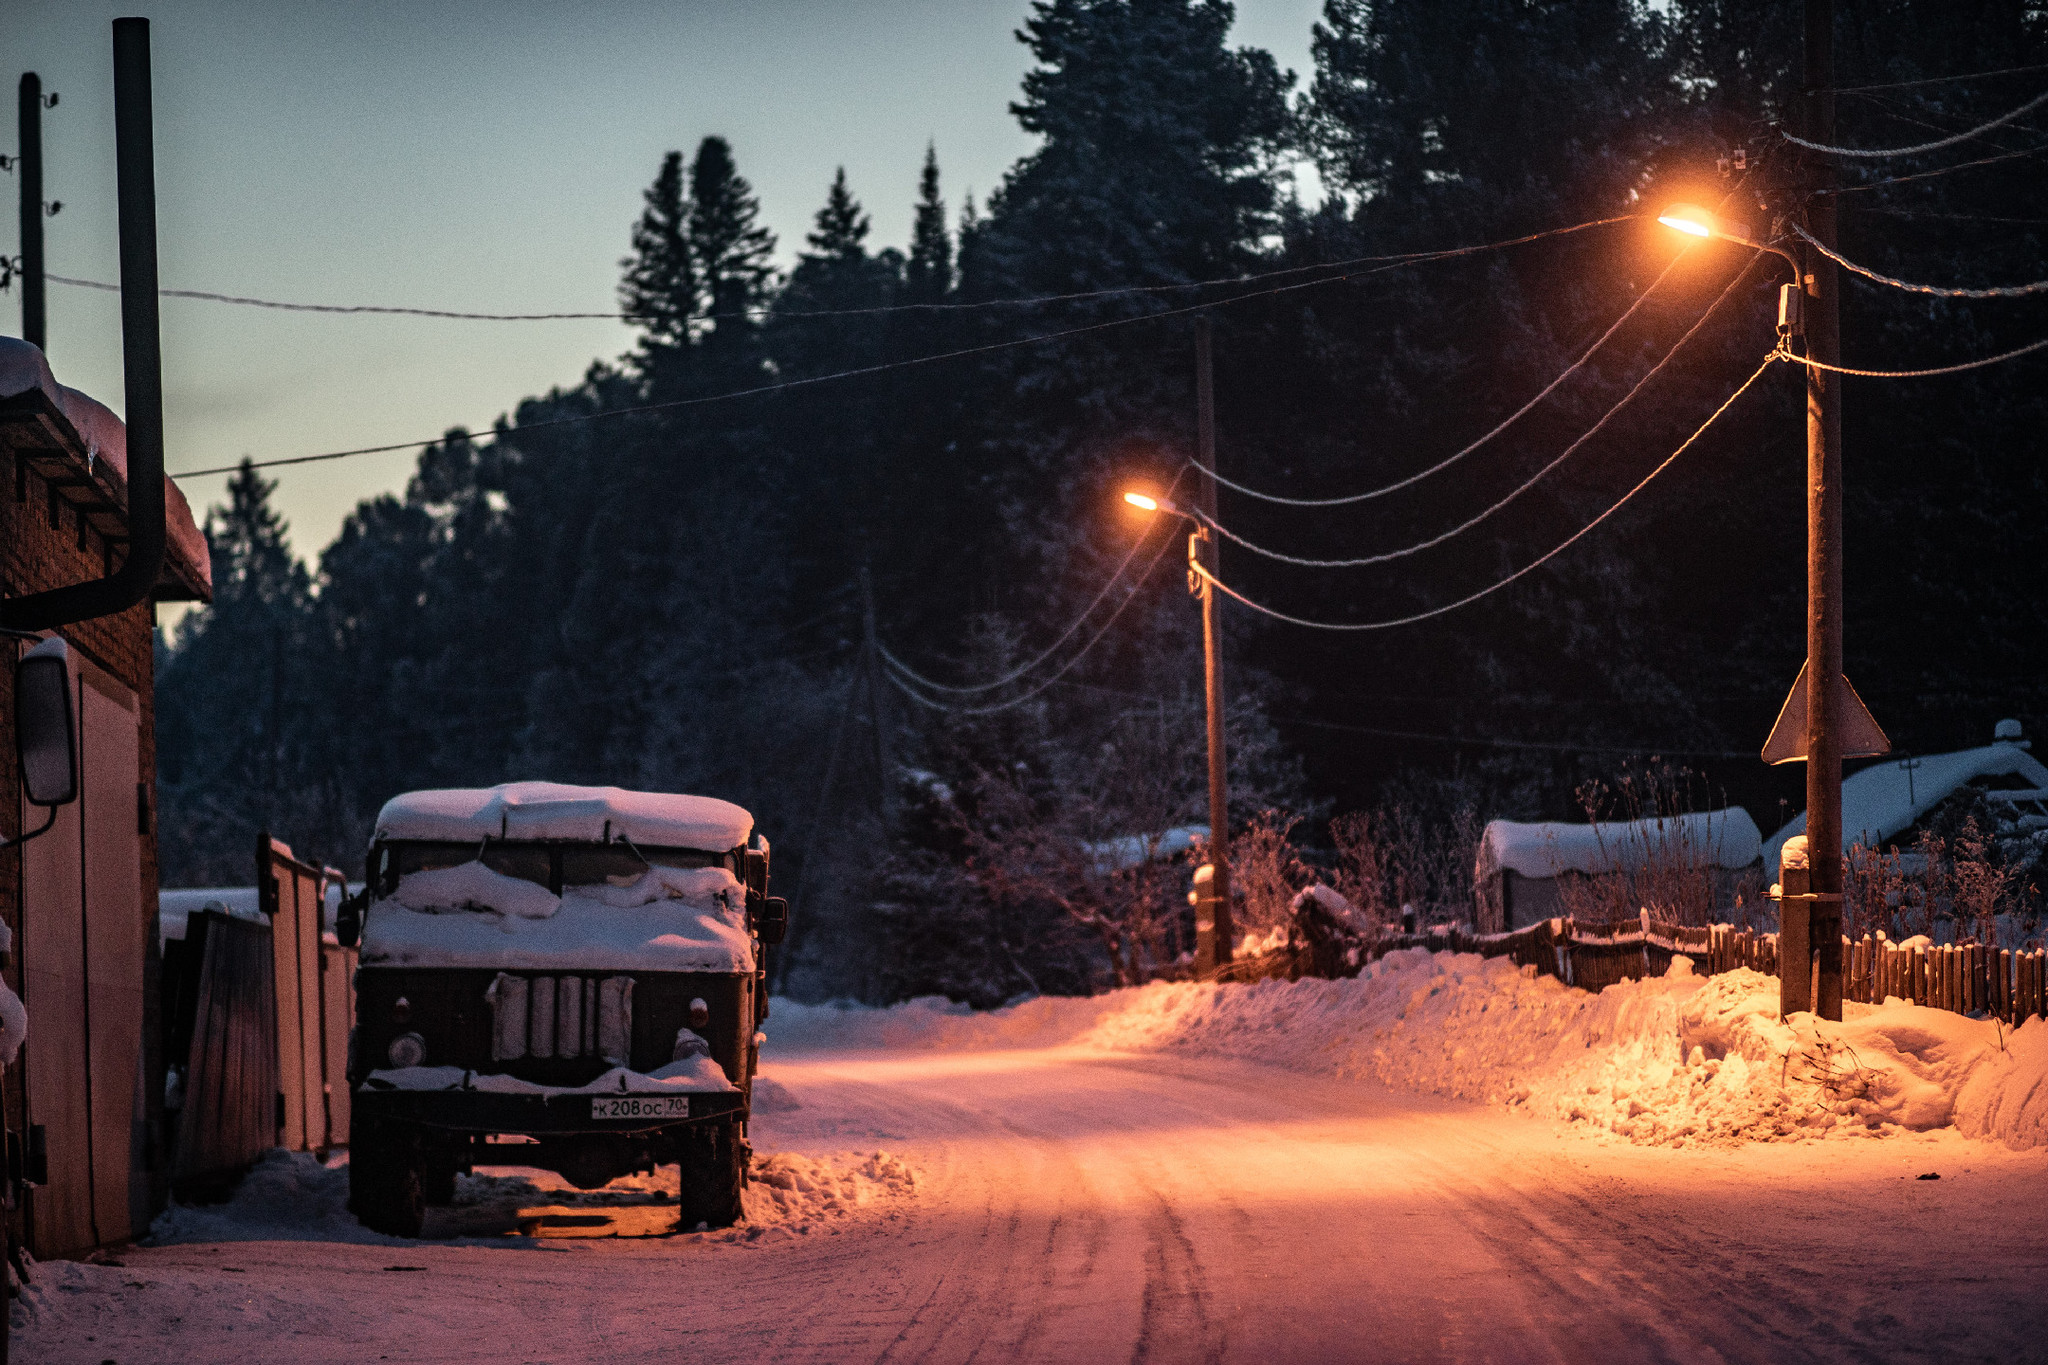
x=585, y=967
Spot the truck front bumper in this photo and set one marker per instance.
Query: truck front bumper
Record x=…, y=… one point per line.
x=474, y=1111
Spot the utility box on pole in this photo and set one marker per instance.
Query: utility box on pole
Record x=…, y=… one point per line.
x=1205, y=903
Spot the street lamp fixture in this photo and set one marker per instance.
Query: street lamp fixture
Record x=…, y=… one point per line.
x=1142, y=501
x=1694, y=221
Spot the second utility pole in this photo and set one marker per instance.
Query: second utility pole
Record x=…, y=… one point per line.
x=1213, y=929
x=1824, y=691
x=29, y=166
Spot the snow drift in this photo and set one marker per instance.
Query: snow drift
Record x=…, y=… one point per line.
x=1678, y=1059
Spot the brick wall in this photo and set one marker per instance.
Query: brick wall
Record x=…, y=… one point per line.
x=35, y=555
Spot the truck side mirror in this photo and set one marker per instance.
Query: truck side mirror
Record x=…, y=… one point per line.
x=754, y=865
x=44, y=729
x=348, y=918
x=771, y=921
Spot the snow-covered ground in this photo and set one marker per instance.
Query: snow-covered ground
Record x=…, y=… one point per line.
x=1441, y=1160
x=1684, y=1059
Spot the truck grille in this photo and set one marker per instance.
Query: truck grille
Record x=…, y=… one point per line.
x=561, y=1016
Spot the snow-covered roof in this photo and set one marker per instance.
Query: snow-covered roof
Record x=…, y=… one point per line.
x=1722, y=838
x=103, y=437
x=552, y=810
x=1887, y=799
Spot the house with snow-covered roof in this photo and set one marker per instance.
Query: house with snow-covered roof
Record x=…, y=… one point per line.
x=1520, y=868
x=1889, y=799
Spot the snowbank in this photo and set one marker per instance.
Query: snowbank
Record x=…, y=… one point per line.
x=553, y=810
x=291, y=1197
x=286, y=1197
x=671, y=919
x=933, y=1023
x=1674, y=1060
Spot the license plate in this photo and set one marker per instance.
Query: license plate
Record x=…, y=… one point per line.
x=639, y=1106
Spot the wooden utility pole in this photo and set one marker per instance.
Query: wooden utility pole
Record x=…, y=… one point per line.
x=29, y=166
x=1823, y=912
x=885, y=768
x=1213, y=928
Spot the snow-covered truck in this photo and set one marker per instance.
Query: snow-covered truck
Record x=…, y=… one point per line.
x=572, y=978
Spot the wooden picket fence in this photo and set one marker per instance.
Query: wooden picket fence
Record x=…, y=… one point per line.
x=1966, y=978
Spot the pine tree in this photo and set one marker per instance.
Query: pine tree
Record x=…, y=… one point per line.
x=1504, y=105
x=841, y=227
x=660, y=285
x=727, y=242
x=1157, y=140
x=228, y=760
x=928, y=276
x=253, y=564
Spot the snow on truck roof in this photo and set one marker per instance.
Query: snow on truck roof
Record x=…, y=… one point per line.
x=1722, y=838
x=553, y=810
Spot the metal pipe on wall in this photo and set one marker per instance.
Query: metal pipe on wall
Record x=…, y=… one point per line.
x=141, y=360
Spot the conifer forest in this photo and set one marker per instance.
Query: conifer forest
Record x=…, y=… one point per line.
x=786, y=568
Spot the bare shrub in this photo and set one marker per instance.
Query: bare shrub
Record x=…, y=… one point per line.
x=1877, y=890
x=1979, y=887
x=1265, y=872
x=1668, y=869
x=1390, y=858
x=1946, y=887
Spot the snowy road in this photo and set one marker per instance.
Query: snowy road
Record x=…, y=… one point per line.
x=1072, y=1206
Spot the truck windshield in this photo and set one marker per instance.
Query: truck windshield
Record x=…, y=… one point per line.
x=551, y=865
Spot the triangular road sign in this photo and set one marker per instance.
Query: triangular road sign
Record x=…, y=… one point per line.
x=1861, y=737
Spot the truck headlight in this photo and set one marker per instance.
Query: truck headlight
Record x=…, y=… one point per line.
x=407, y=1049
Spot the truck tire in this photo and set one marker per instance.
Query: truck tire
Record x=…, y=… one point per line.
x=386, y=1179
x=438, y=1169
x=713, y=1172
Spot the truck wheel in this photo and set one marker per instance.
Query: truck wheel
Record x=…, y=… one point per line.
x=713, y=1170
x=386, y=1184
x=439, y=1165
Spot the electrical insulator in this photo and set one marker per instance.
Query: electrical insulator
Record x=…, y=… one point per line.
x=1791, y=301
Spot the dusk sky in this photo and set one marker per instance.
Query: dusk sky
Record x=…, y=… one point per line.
x=473, y=157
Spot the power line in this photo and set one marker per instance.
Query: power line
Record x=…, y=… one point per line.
x=1467, y=600
x=1894, y=109
x=1448, y=461
x=1939, y=170
x=1939, y=80
x=890, y=658
x=986, y=348
x=1521, y=743
x=1531, y=482
x=774, y=311
x=1918, y=374
x=1063, y=669
x=1949, y=217
x=2010, y=291
x=1874, y=153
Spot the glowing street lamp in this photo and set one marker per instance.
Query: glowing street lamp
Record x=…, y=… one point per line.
x=1213, y=928
x=1694, y=221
